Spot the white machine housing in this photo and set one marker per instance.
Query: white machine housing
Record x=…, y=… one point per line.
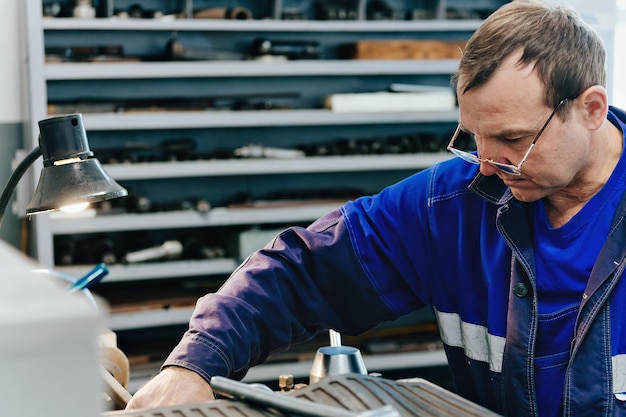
x=48, y=344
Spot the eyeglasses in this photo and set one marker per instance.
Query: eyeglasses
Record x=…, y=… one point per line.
x=508, y=168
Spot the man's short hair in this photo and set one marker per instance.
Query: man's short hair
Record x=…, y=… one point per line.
x=568, y=54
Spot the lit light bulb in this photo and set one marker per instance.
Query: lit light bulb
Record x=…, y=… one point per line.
x=66, y=161
x=74, y=208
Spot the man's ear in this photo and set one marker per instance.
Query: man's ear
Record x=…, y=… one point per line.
x=594, y=104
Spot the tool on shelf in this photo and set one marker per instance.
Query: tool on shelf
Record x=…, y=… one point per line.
x=169, y=249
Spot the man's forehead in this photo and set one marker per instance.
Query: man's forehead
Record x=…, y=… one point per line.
x=502, y=109
x=511, y=66
x=511, y=86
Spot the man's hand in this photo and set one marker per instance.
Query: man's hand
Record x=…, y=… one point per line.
x=173, y=385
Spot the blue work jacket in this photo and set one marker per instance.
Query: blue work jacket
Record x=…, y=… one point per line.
x=446, y=238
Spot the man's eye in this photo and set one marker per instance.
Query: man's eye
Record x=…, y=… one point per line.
x=516, y=143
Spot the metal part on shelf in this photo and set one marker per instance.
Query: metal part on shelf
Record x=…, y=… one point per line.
x=336, y=10
x=237, y=13
x=254, y=150
x=169, y=249
x=292, y=49
x=84, y=9
x=176, y=50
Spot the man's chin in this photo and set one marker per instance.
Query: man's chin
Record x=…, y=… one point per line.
x=526, y=196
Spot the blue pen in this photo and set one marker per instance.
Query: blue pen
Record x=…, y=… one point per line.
x=91, y=278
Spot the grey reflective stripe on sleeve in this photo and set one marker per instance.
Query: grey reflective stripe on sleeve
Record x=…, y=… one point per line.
x=475, y=340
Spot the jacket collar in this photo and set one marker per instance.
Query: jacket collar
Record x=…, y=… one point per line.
x=491, y=189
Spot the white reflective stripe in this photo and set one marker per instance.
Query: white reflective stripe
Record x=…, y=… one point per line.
x=475, y=340
x=619, y=376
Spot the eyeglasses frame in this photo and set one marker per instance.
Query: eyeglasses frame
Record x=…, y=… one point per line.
x=507, y=168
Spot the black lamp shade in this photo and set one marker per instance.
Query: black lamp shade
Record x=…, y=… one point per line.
x=71, y=174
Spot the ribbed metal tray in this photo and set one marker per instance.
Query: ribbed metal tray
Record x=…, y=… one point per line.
x=411, y=398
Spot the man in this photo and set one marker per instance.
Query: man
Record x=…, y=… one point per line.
x=520, y=255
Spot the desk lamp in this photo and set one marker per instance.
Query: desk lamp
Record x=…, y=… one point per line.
x=71, y=174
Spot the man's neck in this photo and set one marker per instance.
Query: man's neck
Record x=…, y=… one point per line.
x=564, y=204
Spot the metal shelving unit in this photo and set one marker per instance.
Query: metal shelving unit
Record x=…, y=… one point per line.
x=305, y=122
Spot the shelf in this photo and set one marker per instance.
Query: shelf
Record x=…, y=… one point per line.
x=215, y=69
x=147, y=318
x=259, y=118
x=157, y=270
x=218, y=168
x=268, y=25
x=218, y=216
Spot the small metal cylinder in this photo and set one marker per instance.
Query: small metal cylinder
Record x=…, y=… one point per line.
x=336, y=360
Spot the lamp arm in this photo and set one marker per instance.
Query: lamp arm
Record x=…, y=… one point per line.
x=15, y=178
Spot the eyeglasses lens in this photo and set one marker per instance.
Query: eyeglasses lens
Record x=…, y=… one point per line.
x=463, y=145
x=465, y=141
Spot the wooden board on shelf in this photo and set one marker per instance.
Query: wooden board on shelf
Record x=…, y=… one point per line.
x=407, y=49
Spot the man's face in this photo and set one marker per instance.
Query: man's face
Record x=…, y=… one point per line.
x=505, y=115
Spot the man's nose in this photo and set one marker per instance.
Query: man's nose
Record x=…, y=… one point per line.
x=489, y=149
x=487, y=169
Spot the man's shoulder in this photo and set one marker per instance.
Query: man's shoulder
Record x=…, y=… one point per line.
x=449, y=177
x=619, y=113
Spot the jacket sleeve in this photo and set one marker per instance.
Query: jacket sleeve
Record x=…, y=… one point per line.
x=304, y=281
